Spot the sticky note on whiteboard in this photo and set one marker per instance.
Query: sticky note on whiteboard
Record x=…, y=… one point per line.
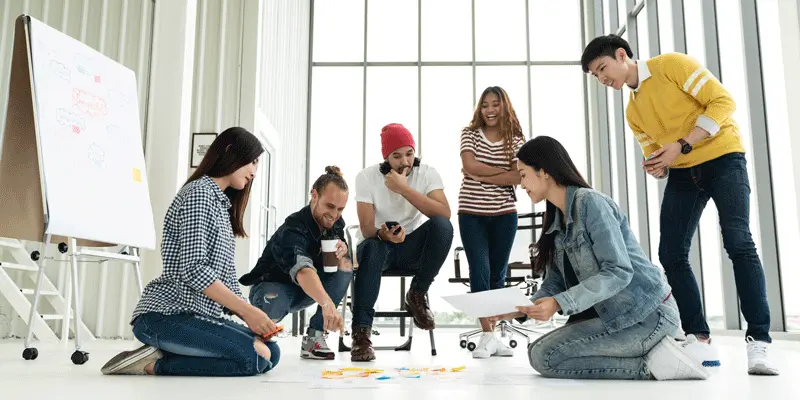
x=137, y=175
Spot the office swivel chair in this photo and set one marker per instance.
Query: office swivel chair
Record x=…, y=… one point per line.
x=347, y=303
x=529, y=283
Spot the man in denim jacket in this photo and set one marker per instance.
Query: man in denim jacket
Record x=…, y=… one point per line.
x=289, y=276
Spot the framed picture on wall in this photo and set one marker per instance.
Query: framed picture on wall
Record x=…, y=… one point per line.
x=200, y=144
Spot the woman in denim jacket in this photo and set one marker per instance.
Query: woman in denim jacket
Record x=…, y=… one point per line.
x=622, y=317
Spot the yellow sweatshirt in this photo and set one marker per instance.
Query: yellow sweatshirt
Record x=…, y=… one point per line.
x=674, y=95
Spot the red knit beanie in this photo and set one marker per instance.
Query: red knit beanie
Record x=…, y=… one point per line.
x=393, y=137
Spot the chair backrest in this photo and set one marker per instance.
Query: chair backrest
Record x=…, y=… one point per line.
x=536, y=223
x=351, y=231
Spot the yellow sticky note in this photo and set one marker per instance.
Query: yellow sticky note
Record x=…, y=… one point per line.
x=137, y=175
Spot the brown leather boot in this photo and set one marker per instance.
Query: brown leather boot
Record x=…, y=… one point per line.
x=361, y=348
x=417, y=304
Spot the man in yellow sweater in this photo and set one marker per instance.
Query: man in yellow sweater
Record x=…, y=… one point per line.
x=681, y=116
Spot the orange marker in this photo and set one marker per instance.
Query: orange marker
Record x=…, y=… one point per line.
x=268, y=336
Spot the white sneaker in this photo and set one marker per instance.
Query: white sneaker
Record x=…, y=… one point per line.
x=487, y=346
x=704, y=353
x=314, y=347
x=503, y=350
x=671, y=360
x=757, y=358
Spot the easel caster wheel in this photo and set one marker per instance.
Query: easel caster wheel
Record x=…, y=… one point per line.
x=463, y=344
x=471, y=346
x=35, y=255
x=512, y=343
x=63, y=248
x=79, y=357
x=30, y=354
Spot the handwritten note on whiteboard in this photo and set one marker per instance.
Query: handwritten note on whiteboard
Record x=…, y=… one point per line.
x=91, y=145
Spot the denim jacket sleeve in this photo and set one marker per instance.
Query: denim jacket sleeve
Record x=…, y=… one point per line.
x=553, y=283
x=293, y=252
x=608, y=248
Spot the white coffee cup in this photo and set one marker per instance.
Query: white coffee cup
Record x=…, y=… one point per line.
x=329, y=260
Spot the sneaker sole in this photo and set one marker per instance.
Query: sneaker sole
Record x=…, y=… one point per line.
x=122, y=361
x=311, y=356
x=675, y=349
x=761, y=370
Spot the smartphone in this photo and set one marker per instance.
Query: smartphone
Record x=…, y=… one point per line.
x=391, y=224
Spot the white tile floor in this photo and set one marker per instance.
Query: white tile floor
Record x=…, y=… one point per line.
x=53, y=376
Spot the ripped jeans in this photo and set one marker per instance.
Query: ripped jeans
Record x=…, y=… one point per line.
x=195, y=345
x=279, y=299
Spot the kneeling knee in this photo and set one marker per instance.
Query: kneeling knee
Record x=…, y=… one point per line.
x=538, y=355
x=268, y=356
x=262, y=349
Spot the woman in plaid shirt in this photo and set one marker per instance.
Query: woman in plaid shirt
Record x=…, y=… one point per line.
x=179, y=317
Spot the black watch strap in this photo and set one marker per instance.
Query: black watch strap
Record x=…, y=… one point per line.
x=685, y=146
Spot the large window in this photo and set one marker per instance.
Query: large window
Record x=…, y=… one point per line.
x=376, y=62
x=717, y=38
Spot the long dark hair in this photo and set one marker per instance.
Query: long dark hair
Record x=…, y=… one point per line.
x=234, y=148
x=509, y=123
x=544, y=153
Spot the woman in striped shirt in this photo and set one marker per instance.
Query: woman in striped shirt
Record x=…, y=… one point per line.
x=487, y=213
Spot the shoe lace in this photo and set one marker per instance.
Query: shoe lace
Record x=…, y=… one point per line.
x=755, y=348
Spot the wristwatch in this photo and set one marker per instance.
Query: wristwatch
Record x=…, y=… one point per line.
x=685, y=146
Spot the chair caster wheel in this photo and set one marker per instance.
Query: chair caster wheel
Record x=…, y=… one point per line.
x=471, y=346
x=512, y=343
x=30, y=354
x=79, y=357
x=463, y=344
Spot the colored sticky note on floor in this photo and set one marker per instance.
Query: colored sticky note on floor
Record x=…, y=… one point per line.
x=137, y=175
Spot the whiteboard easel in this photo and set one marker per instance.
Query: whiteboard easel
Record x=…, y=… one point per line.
x=72, y=167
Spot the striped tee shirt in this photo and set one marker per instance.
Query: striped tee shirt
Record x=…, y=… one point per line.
x=479, y=198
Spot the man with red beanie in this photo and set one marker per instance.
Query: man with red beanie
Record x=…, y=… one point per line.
x=400, y=190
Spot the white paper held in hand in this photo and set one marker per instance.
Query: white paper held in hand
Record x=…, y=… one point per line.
x=489, y=303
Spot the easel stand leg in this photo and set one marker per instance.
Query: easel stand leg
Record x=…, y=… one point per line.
x=30, y=353
x=138, y=270
x=78, y=357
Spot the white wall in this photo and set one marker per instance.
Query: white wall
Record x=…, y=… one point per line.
x=284, y=94
x=251, y=70
x=253, y=77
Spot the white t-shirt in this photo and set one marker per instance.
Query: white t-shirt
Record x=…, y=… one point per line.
x=390, y=206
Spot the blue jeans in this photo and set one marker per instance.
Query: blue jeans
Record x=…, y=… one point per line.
x=195, y=345
x=279, y=299
x=586, y=350
x=724, y=180
x=487, y=243
x=422, y=252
